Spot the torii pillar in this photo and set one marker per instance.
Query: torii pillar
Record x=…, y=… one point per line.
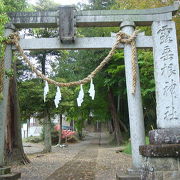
x=3, y=104
x=5, y=172
x=136, y=118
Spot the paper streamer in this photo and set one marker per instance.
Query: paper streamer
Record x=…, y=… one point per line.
x=57, y=97
x=92, y=90
x=80, y=96
x=46, y=90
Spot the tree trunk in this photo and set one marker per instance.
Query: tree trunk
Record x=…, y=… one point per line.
x=110, y=126
x=118, y=112
x=28, y=122
x=47, y=120
x=72, y=124
x=117, y=130
x=13, y=141
x=60, y=129
x=47, y=133
x=80, y=127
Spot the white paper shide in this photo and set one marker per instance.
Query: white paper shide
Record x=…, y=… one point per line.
x=80, y=96
x=57, y=97
x=46, y=90
x=92, y=90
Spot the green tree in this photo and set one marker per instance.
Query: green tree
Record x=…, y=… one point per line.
x=41, y=57
x=113, y=73
x=145, y=59
x=143, y=4
x=101, y=4
x=13, y=144
x=46, y=110
x=81, y=64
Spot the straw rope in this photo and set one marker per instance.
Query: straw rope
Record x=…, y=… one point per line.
x=1, y=74
x=2, y=71
x=134, y=65
x=121, y=37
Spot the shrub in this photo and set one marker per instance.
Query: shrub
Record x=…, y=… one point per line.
x=33, y=139
x=127, y=148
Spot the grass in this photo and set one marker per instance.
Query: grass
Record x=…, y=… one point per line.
x=127, y=146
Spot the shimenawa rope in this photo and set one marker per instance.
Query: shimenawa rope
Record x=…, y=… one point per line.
x=2, y=71
x=121, y=37
x=1, y=75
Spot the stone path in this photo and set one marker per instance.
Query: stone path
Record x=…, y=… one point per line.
x=96, y=162
x=86, y=160
x=82, y=167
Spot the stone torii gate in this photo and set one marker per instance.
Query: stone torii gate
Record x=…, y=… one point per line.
x=162, y=41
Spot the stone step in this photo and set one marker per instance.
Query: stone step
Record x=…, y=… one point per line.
x=161, y=150
x=134, y=172
x=127, y=177
x=5, y=170
x=12, y=176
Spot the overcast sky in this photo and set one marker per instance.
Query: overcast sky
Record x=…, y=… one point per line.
x=63, y=2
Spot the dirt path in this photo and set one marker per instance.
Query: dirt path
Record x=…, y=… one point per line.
x=86, y=160
x=97, y=161
x=82, y=167
x=109, y=162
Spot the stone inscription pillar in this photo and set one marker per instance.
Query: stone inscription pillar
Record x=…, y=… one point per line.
x=134, y=101
x=3, y=104
x=166, y=74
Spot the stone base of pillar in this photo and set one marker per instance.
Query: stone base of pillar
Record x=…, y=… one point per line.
x=132, y=174
x=6, y=174
x=160, y=150
x=161, y=168
x=162, y=156
x=127, y=177
x=165, y=136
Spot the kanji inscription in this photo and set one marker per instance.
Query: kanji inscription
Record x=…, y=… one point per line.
x=166, y=74
x=164, y=34
x=167, y=62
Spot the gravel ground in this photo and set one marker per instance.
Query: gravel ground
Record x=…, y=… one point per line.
x=85, y=160
x=109, y=162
